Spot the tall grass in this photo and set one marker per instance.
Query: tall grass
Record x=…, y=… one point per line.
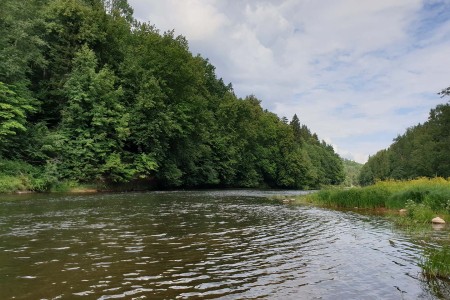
x=436, y=262
x=370, y=197
x=423, y=199
x=433, y=193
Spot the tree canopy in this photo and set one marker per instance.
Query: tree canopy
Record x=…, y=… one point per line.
x=88, y=93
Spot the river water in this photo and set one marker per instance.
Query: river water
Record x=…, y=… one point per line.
x=201, y=245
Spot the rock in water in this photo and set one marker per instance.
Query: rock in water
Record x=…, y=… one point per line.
x=438, y=220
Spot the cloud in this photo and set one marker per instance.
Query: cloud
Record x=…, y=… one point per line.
x=195, y=19
x=350, y=69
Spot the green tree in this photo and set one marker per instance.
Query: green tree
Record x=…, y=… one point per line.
x=352, y=170
x=119, y=101
x=68, y=25
x=21, y=45
x=296, y=127
x=423, y=150
x=94, y=122
x=439, y=121
x=119, y=8
x=13, y=112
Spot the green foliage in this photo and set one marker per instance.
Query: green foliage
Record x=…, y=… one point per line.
x=399, y=199
x=371, y=197
x=327, y=164
x=437, y=262
x=352, y=170
x=13, y=111
x=430, y=195
x=298, y=171
x=118, y=102
x=145, y=165
x=20, y=176
x=9, y=184
x=21, y=42
x=419, y=212
x=68, y=25
x=438, y=199
x=94, y=122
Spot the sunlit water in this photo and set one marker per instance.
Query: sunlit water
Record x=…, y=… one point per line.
x=200, y=245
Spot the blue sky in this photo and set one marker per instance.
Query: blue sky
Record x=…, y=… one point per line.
x=356, y=72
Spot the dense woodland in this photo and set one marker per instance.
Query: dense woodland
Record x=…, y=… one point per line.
x=352, y=170
x=89, y=94
x=422, y=151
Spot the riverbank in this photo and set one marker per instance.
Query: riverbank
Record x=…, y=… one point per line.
x=411, y=204
x=419, y=200
x=30, y=180
x=26, y=184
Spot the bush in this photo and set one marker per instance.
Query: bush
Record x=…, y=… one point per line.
x=19, y=176
x=16, y=168
x=10, y=184
x=419, y=212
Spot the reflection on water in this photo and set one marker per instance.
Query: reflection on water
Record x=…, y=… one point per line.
x=194, y=245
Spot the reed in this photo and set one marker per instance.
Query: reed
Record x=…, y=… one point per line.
x=433, y=193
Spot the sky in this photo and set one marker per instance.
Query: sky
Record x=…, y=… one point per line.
x=356, y=72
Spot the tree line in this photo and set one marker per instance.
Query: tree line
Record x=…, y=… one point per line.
x=422, y=151
x=89, y=94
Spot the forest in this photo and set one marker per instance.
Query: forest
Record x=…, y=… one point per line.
x=422, y=151
x=88, y=94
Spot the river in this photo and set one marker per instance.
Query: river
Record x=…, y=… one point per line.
x=235, y=244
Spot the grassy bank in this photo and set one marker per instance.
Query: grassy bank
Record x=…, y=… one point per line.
x=432, y=195
x=411, y=203
x=423, y=199
x=25, y=183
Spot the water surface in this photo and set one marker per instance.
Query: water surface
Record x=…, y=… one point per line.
x=200, y=245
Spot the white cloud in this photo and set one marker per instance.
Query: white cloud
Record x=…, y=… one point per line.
x=195, y=19
x=350, y=69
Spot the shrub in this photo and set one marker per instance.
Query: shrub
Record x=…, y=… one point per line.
x=419, y=212
x=19, y=175
x=10, y=184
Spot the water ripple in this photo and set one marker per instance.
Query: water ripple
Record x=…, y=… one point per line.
x=220, y=244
